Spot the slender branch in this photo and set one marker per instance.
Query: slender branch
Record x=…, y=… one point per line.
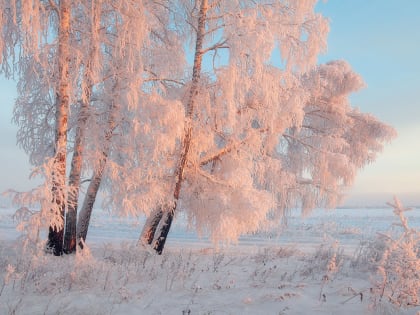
x=220, y=153
x=213, y=179
x=193, y=26
x=215, y=47
x=307, y=145
x=157, y=78
x=227, y=149
x=307, y=181
x=164, y=80
x=215, y=29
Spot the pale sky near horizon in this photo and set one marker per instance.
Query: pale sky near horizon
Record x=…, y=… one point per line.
x=381, y=41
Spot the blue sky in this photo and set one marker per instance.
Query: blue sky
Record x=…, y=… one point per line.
x=381, y=40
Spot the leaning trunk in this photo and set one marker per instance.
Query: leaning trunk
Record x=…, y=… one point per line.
x=56, y=228
x=150, y=226
x=165, y=225
x=95, y=183
x=77, y=159
x=86, y=210
x=74, y=183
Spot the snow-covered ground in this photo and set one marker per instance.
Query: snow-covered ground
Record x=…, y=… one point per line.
x=316, y=265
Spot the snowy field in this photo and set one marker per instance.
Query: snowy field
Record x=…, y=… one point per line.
x=322, y=264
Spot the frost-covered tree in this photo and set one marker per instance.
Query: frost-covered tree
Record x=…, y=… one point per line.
x=251, y=127
x=260, y=138
x=136, y=77
x=37, y=31
x=186, y=140
x=62, y=105
x=97, y=44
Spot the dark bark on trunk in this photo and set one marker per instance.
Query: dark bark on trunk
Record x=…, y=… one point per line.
x=164, y=227
x=69, y=243
x=55, y=240
x=168, y=216
x=150, y=226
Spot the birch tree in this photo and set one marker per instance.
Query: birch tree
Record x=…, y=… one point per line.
x=134, y=83
x=251, y=127
x=56, y=231
x=89, y=17
x=109, y=43
x=42, y=108
x=30, y=25
x=187, y=137
x=217, y=130
x=256, y=137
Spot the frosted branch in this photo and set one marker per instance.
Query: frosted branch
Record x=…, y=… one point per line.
x=215, y=47
x=215, y=156
x=164, y=80
x=213, y=179
x=307, y=145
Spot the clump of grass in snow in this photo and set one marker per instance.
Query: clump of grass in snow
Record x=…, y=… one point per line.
x=398, y=270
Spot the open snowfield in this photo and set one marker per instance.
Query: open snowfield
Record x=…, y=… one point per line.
x=322, y=264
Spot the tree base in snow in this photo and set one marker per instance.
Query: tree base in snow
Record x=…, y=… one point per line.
x=55, y=241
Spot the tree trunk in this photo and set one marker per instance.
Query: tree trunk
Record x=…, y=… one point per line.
x=95, y=183
x=89, y=201
x=165, y=225
x=150, y=226
x=74, y=183
x=69, y=245
x=77, y=159
x=56, y=228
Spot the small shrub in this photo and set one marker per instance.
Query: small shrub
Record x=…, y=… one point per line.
x=398, y=269
x=325, y=262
